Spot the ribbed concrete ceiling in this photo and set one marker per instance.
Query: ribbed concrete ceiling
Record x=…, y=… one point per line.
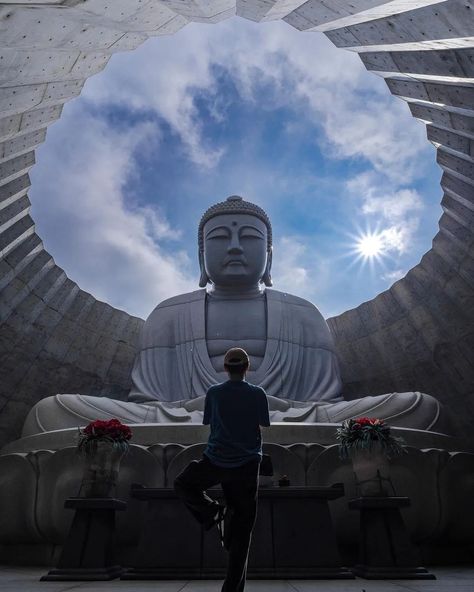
x=418, y=335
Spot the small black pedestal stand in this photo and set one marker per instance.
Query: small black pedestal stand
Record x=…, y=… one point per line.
x=88, y=551
x=385, y=550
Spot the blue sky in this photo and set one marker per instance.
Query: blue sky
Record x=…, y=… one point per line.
x=280, y=117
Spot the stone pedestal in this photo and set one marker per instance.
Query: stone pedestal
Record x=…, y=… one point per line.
x=293, y=537
x=88, y=552
x=385, y=550
x=34, y=485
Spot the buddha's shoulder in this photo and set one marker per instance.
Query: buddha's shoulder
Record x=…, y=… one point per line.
x=313, y=329
x=164, y=325
x=181, y=300
x=295, y=302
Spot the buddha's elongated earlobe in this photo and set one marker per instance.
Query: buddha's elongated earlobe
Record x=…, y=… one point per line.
x=267, y=278
x=204, y=278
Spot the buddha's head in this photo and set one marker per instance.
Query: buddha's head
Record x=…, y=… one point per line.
x=235, y=244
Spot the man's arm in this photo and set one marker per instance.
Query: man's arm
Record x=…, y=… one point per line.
x=206, y=420
x=263, y=412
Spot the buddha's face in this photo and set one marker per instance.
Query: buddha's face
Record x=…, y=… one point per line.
x=235, y=249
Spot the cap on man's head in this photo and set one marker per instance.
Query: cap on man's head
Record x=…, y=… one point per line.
x=236, y=356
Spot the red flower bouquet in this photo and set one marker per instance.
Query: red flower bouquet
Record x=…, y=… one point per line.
x=112, y=430
x=367, y=433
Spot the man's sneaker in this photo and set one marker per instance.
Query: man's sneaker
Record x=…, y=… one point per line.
x=216, y=517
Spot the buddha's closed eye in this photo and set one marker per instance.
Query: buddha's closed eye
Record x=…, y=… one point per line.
x=218, y=233
x=251, y=232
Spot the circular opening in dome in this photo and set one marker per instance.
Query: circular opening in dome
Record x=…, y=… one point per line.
x=284, y=119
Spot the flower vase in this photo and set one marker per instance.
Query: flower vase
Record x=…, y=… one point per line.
x=371, y=469
x=101, y=470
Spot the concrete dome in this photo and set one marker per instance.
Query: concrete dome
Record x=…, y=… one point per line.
x=418, y=335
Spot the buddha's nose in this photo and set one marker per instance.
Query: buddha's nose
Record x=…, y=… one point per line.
x=235, y=246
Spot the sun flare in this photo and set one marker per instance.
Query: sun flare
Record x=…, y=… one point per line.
x=370, y=245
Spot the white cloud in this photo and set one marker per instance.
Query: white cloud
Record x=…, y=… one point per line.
x=359, y=117
x=297, y=270
x=373, y=130
x=289, y=274
x=165, y=83
x=116, y=247
x=398, y=237
x=393, y=214
x=392, y=206
x=393, y=276
x=111, y=246
x=328, y=86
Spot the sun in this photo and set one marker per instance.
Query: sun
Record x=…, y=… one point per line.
x=370, y=245
x=373, y=248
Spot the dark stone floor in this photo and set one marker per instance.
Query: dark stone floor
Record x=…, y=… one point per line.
x=450, y=579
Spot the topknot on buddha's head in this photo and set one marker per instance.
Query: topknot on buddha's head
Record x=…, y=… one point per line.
x=235, y=205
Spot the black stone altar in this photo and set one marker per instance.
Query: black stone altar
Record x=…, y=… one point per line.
x=293, y=537
x=88, y=552
x=385, y=549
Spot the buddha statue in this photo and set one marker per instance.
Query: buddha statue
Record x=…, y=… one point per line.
x=183, y=342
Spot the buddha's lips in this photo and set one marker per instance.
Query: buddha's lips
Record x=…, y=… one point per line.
x=230, y=261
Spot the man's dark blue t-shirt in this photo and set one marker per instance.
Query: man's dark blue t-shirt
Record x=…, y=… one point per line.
x=235, y=411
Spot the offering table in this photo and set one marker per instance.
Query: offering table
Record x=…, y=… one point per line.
x=293, y=537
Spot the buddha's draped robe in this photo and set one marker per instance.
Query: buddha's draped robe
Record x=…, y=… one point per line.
x=299, y=364
x=173, y=371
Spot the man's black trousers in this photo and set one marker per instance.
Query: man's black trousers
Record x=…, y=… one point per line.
x=239, y=485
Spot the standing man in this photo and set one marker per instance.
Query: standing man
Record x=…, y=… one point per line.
x=235, y=411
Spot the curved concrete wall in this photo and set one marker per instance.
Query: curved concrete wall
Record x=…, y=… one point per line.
x=55, y=337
